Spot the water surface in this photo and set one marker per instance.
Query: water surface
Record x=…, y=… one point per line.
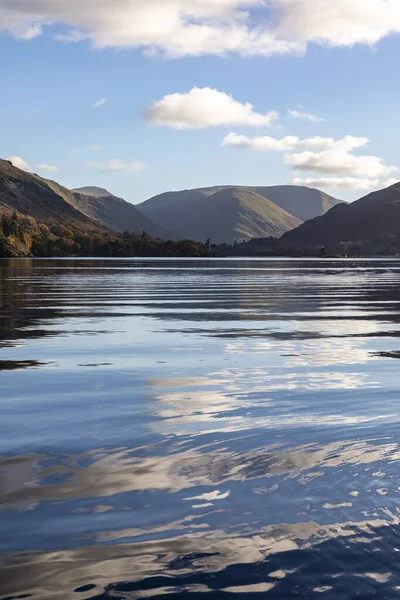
x=199, y=428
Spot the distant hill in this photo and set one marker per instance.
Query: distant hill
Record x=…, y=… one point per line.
x=226, y=214
x=372, y=223
x=368, y=227
x=234, y=214
x=113, y=212
x=302, y=202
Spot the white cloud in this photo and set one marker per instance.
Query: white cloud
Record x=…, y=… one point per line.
x=339, y=23
x=195, y=27
x=51, y=168
x=98, y=103
x=390, y=181
x=204, y=107
x=339, y=162
x=295, y=114
x=31, y=32
x=173, y=27
x=334, y=158
x=94, y=148
x=116, y=165
x=121, y=167
x=20, y=163
x=339, y=183
x=290, y=142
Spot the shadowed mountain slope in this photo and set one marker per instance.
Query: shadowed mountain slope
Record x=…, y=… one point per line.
x=373, y=220
x=113, y=212
x=225, y=216
x=49, y=202
x=233, y=213
x=40, y=198
x=302, y=202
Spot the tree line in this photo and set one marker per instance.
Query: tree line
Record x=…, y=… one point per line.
x=22, y=235
x=272, y=247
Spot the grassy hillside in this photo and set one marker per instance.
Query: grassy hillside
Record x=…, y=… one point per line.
x=371, y=222
x=49, y=202
x=302, y=202
x=368, y=227
x=233, y=213
x=115, y=213
x=42, y=199
x=229, y=215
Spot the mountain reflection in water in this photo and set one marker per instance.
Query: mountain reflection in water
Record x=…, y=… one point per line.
x=209, y=428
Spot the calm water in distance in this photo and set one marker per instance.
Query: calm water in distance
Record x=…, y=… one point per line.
x=199, y=429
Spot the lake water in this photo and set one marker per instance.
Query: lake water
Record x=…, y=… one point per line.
x=199, y=428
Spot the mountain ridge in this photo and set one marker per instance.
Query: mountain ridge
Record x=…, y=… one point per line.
x=50, y=202
x=374, y=217
x=42, y=199
x=276, y=210
x=93, y=190
x=370, y=226
x=235, y=215
x=116, y=213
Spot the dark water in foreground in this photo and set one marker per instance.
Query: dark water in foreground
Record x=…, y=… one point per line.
x=189, y=429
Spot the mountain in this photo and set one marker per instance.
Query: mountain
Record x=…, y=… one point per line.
x=113, y=212
x=371, y=224
x=42, y=199
x=228, y=214
x=302, y=202
x=224, y=215
x=234, y=214
x=49, y=202
x=39, y=217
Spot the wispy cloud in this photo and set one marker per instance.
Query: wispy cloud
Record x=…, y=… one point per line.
x=391, y=181
x=94, y=148
x=304, y=116
x=20, y=163
x=340, y=183
x=99, y=103
x=51, y=168
x=117, y=165
x=292, y=142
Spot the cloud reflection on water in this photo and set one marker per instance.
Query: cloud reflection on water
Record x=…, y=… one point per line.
x=244, y=439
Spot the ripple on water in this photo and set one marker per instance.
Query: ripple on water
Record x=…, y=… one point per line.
x=188, y=428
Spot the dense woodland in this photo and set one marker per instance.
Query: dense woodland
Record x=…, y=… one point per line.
x=387, y=246
x=22, y=235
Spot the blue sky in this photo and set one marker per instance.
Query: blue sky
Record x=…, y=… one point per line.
x=168, y=106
